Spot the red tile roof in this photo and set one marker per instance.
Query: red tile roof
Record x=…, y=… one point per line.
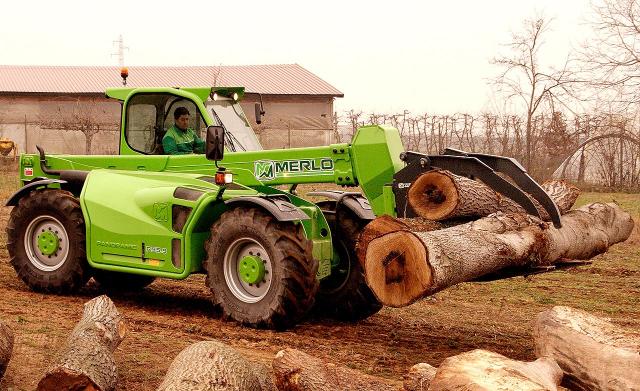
x=287, y=79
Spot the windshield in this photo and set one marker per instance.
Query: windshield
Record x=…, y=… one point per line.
x=229, y=114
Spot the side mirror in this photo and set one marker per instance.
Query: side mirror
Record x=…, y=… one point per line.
x=214, y=148
x=259, y=113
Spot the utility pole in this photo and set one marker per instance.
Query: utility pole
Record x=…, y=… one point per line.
x=120, y=48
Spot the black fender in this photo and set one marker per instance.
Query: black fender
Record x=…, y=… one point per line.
x=31, y=186
x=281, y=209
x=355, y=202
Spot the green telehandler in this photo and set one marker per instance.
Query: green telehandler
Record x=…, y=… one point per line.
x=269, y=255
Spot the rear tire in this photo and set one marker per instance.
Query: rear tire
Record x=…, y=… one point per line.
x=284, y=290
x=46, y=241
x=121, y=282
x=345, y=295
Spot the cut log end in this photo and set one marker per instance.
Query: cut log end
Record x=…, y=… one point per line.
x=66, y=379
x=389, y=259
x=434, y=195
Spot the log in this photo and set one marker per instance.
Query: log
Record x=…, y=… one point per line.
x=563, y=193
x=440, y=195
x=297, y=371
x=404, y=266
x=593, y=353
x=387, y=224
x=6, y=347
x=419, y=377
x=86, y=362
x=480, y=370
x=214, y=366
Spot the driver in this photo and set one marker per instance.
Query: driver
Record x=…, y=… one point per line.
x=180, y=139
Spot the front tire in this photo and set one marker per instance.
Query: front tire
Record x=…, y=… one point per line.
x=260, y=271
x=46, y=241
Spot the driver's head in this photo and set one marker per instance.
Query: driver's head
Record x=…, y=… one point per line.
x=181, y=115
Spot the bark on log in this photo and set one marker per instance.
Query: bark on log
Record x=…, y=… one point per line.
x=439, y=195
x=214, y=366
x=404, y=266
x=6, y=347
x=480, y=370
x=298, y=371
x=86, y=362
x=563, y=193
x=419, y=377
x=594, y=353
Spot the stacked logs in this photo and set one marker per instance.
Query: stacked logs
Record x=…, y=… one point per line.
x=406, y=260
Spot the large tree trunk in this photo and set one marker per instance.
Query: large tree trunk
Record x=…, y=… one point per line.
x=214, y=366
x=404, y=266
x=439, y=195
x=593, y=353
x=481, y=370
x=6, y=346
x=87, y=362
x=298, y=371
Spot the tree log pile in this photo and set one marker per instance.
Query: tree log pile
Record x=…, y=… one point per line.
x=404, y=262
x=574, y=349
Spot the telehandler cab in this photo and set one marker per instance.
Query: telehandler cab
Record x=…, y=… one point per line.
x=268, y=254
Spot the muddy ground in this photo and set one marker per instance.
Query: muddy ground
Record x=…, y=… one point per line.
x=169, y=315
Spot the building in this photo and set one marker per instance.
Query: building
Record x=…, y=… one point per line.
x=52, y=106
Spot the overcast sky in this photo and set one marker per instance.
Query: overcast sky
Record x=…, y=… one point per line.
x=424, y=56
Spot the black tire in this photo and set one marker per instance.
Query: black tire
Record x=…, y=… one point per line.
x=345, y=294
x=59, y=212
x=115, y=282
x=282, y=300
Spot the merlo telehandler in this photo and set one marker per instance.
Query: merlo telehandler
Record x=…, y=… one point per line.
x=269, y=255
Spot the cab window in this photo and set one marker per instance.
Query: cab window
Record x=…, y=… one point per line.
x=149, y=116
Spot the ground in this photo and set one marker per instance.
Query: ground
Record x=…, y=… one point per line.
x=169, y=315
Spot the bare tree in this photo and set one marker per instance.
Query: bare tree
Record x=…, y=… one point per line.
x=522, y=77
x=611, y=58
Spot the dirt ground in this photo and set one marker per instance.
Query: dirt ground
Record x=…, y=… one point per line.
x=169, y=315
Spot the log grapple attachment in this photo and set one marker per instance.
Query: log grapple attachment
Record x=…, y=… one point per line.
x=486, y=168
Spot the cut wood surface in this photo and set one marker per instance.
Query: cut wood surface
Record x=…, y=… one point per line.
x=404, y=266
x=86, y=361
x=214, y=366
x=386, y=224
x=6, y=346
x=297, y=371
x=480, y=370
x=419, y=377
x=594, y=353
x=440, y=195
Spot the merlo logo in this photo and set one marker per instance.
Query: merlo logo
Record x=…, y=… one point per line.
x=266, y=170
